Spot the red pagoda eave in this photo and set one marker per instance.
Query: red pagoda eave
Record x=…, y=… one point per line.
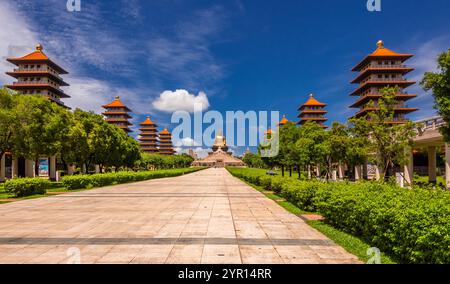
x=402, y=57
x=22, y=73
x=313, y=119
x=317, y=111
x=116, y=113
x=369, y=97
x=18, y=87
x=113, y=120
x=403, y=83
x=369, y=71
x=397, y=110
x=17, y=61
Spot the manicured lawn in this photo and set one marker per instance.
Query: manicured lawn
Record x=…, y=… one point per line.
x=425, y=180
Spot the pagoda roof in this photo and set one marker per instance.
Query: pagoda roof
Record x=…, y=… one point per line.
x=313, y=102
x=283, y=121
x=382, y=52
x=37, y=56
x=117, y=103
x=148, y=122
x=221, y=156
x=165, y=132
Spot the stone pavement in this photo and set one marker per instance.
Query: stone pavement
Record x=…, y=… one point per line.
x=205, y=217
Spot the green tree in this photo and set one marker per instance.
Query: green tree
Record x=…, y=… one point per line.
x=40, y=127
x=312, y=148
x=388, y=142
x=7, y=118
x=439, y=84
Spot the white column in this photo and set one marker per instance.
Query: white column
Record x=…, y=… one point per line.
x=97, y=169
x=432, y=164
x=318, y=171
x=334, y=175
x=29, y=168
x=52, y=168
x=341, y=171
x=409, y=169
x=358, y=172
x=2, y=168
x=15, y=167
x=447, y=164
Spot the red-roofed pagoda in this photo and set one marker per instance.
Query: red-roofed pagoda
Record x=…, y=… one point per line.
x=165, y=143
x=313, y=110
x=117, y=114
x=383, y=68
x=37, y=74
x=283, y=121
x=149, y=137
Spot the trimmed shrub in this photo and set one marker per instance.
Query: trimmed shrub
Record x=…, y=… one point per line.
x=412, y=225
x=100, y=180
x=22, y=187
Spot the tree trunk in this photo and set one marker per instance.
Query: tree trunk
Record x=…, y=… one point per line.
x=299, y=172
x=282, y=170
x=290, y=171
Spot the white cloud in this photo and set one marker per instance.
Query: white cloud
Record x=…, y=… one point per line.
x=186, y=142
x=15, y=38
x=181, y=100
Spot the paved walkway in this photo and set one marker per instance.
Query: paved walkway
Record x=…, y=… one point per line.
x=205, y=217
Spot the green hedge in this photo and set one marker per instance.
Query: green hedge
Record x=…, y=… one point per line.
x=412, y=225
x=99, y=180
x=22, y=187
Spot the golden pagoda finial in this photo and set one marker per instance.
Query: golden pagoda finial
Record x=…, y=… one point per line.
x=311, y=95
x=39, y=47
x=380, y=44
x=117, y=97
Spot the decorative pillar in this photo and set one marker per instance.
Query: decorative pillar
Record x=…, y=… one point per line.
x=341, y=171
x=447, y=164
x=52, y=168
x=432, y=164
x=408, y=170
x=358, y=172
x=2, y=169
x=334, y=175
x=29, y=168
x=15, y=167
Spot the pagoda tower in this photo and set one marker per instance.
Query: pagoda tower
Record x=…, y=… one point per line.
x=117, y=114
x=313, y=110
x=283, y=122
x=148, y=137
x=37, y=74
x=383, y=68
x=165, y=143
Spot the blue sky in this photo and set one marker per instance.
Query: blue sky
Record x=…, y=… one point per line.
x=241, y=54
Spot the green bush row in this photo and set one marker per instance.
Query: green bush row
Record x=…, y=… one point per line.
x=22, y=187
x=99, y=180
x=412, y=225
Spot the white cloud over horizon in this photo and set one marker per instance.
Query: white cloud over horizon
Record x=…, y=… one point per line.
x=181, y=100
